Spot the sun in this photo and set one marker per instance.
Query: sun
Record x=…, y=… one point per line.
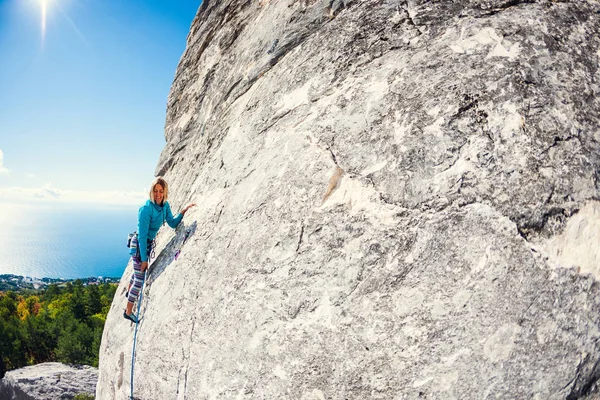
x=44, y=11
x=48, y=7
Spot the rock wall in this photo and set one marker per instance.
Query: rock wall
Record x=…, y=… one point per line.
x=394, y=198
x=48, y=381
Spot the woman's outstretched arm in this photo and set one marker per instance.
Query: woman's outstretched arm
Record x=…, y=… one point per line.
x=174, y=221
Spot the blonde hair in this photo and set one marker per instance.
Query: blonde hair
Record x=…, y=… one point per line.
x=159, y=181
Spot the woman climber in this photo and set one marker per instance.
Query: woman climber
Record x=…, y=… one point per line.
x=151, y=217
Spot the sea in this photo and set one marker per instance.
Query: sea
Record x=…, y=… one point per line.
x=61, y=241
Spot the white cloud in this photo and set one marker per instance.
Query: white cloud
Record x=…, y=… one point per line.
x=47, y=193
x=30, y=175
x=3, y=169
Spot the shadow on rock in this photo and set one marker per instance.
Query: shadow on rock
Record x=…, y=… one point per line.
x=170, y=253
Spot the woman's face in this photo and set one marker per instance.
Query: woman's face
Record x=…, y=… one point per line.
x=159, y=193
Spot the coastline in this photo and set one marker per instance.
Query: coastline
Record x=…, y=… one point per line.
x=11, y=282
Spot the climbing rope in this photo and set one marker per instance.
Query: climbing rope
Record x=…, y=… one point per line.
x=151, y=246
x=135, y=332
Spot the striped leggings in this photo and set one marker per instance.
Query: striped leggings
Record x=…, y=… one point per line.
x=137, y=278
x=136, y=281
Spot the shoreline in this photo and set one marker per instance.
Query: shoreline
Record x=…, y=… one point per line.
x=11, y=282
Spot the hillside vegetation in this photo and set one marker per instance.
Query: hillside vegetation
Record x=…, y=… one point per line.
x=61, y=323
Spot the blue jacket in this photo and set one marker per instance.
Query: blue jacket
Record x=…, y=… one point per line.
x=150, y=218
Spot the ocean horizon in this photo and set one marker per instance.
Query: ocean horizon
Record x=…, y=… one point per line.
x=65, y=241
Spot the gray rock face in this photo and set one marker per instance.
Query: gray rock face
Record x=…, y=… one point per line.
x=397, y=200
x=48, y=381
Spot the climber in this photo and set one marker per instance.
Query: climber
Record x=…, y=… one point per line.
x=151, y=217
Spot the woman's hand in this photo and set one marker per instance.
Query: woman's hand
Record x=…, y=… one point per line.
x=144, y=266
x=187, y=208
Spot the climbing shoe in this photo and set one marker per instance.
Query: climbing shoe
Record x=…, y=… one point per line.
x=133, y=318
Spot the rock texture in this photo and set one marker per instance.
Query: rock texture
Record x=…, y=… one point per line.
x=48, y=381
x=394, y=198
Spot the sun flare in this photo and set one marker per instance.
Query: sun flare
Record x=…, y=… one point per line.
x=48, y=9
x=44, y=10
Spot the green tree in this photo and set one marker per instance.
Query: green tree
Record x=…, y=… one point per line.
x=97, y=324
x=51, y=292
x=78, y=301
x=107, y=291
x=8, y=304
x=61, y=323
x=41, y=337
x=12, y=346
x=74, y=341
x=93, y=303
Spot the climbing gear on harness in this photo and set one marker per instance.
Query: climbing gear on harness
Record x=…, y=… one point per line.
x=132, y=243
x=151, y=245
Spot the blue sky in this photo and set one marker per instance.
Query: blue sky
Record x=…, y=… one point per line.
x=82, y=102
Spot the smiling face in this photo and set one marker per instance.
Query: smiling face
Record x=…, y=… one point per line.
x=159, y=193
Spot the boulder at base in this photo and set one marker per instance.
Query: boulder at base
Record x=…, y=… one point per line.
x=47, y=381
